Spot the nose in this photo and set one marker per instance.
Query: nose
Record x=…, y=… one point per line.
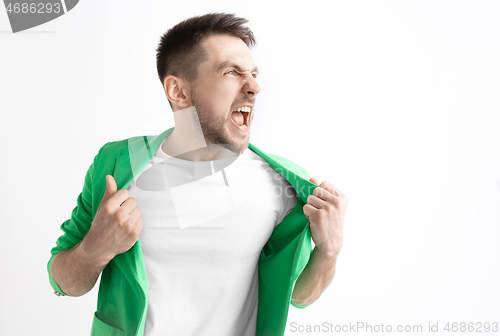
x=251, y=87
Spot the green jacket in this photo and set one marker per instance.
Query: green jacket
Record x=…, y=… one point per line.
x=123, y=291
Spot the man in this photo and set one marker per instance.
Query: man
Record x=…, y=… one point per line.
x=197, y=242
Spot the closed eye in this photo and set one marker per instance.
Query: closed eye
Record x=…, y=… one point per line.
x=233, y=72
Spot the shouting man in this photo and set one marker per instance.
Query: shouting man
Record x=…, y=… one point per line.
x=196, y=231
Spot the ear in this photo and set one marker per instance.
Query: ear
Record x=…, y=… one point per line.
x=177, y=92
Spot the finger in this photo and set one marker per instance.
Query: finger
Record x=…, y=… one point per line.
x=135, y=214
x=129, y=204
x=110, y=189
x=309, y=210
x=314, y=180
x=324, y=194
x=139, y=222
x=316, y=202
x=330, y=188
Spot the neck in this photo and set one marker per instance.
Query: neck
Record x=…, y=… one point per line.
x=187, y=141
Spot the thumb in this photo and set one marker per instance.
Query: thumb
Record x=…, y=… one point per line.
x=315, y=181
x=110, y=189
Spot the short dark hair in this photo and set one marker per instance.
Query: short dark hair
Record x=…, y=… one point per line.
x=180, y=52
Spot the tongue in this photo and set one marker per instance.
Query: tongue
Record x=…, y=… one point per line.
x=237, y=118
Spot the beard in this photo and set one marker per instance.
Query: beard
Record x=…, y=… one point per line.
x=214, y=129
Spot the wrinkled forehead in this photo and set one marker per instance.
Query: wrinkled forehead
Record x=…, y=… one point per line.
x=225, y=48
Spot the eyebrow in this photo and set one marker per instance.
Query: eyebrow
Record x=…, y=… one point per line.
x=234, y=65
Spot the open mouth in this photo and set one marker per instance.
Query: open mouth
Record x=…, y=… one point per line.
x=240, y=117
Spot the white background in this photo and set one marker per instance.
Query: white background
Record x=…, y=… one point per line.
x=394, y=102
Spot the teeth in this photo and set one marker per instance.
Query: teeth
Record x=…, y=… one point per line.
x=244, y=109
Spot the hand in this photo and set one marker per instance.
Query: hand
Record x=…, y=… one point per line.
x=326, y=209
x=116, y=226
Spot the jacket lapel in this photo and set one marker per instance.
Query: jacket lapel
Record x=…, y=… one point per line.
x=300, y=183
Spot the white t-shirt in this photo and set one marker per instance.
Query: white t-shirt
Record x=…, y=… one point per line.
x=205, y=224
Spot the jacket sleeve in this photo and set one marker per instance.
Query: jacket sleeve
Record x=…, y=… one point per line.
x=303, y=260
x=76, y=227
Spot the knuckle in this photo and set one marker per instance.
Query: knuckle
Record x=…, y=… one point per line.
x=130, y=225
x=107, y=207
x=126, y=229
x=135, y=231
x=122, y=215
x=329, y=209
x=125, y=192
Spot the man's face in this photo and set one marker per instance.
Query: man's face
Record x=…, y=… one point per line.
x=226, y=82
